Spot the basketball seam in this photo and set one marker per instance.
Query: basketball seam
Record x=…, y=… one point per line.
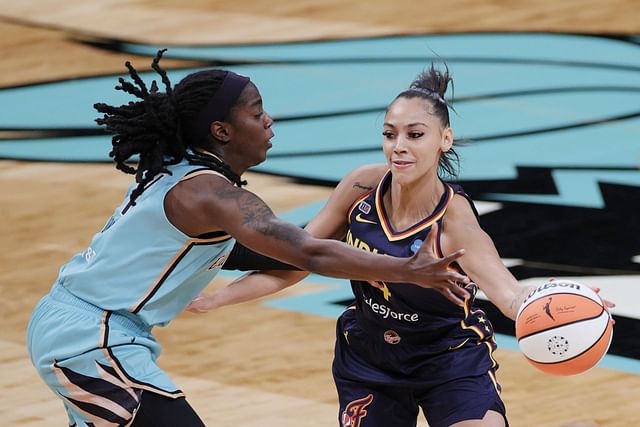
x=577, y=355
x=560, y=326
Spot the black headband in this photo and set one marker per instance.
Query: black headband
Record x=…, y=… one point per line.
x=220, y=103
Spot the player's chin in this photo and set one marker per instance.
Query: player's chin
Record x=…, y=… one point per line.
x=403, y=177
x=263, y=157
x=258, y=159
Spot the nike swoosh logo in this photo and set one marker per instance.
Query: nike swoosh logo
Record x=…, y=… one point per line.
x=458, y=346
x=360, y=219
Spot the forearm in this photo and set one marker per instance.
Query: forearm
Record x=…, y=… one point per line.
x=244, y=259
x=255, y=285
x=510, y=303
x=333, y=258
x=264, y=233
x=336, y=259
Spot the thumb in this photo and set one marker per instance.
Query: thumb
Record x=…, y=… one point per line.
x=431, y=237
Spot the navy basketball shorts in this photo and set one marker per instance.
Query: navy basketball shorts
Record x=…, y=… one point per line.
x=375, y=405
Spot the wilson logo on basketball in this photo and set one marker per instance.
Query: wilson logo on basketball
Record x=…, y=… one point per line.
x=551, y=285
x=356, y=411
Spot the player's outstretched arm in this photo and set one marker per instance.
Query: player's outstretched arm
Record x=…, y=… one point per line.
x=246, y=217
x=248, y=287
x=482, y=262
x=259, y=229
x=262, y=283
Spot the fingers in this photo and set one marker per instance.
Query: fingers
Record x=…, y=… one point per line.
x=455, y=277
x=199, y=305
x=455, y=294
x=446, y=292
x=378, y=285
x=448, y=259
x=431, y=237
x=196, y=310
x=607, y=303
x=200, y=297
x=461, y=292
x=195, y=307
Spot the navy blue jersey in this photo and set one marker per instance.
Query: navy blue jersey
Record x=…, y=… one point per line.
x=401, y=333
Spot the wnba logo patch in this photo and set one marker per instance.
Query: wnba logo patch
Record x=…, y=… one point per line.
x=356, y=411
x=364, y=207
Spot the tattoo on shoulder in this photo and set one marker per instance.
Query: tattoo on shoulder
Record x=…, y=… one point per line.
x=357, y=184
x=258, y=216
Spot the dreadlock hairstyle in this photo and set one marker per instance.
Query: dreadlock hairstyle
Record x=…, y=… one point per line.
x=158, y=128
x=431, y=85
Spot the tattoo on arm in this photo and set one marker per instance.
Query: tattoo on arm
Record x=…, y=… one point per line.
x=520, y=296
x=259, y=217
x=513, y=304
x=517, y=299
x=364, y=187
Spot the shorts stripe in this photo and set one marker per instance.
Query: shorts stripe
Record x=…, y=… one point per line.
x=134, y=382
x=110, y=375
x=99, y=399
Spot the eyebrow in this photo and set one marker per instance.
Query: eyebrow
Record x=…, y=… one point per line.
x=257, y=102
x=409, y=125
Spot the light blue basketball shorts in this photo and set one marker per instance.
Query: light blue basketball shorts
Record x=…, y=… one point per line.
x=98, y=362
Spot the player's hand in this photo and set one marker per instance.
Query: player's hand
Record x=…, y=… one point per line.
x=608, y=305
x=201, y=304
x=434, y=273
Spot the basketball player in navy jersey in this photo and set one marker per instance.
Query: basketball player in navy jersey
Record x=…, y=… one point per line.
x=400, y=348
x=91, y=337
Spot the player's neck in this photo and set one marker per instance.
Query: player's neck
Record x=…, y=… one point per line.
x=204, y=152
x=236, y=165
x=408, y=204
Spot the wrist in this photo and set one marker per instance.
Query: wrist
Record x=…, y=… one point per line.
x=408, y=265
x=214, y=301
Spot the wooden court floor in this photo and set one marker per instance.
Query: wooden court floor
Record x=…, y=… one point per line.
x=244, y=365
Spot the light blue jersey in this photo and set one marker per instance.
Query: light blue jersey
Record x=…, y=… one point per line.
x=141, y=263
x=91, y=337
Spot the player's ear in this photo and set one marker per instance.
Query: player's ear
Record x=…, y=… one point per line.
x=447, y=139
x=221, y=131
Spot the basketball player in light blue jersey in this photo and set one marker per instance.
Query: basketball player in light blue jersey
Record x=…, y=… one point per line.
x=403, y=348
x=90, y=338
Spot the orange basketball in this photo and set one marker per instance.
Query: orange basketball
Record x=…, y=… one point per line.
x=563, y=328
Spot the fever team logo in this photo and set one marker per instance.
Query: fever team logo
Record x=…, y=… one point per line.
x=356, y=411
